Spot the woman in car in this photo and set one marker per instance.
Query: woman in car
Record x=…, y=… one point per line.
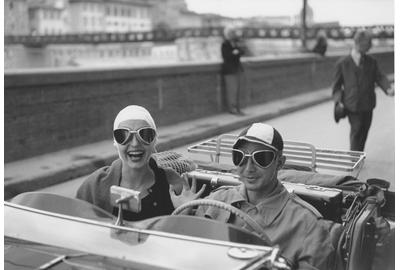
x=135, y=136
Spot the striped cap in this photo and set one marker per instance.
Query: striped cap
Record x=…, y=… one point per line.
x=263, y=134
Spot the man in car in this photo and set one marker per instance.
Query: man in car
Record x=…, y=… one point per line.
x=291, y=223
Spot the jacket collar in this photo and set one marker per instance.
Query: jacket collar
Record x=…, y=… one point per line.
x=270, y=207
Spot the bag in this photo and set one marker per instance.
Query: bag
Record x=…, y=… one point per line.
x=339, y=112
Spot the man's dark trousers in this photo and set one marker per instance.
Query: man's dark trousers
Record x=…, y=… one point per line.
x=359, y=127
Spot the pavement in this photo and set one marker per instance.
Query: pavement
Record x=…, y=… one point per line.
x=57, y=167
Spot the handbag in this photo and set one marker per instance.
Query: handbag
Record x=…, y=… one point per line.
x=339, y=112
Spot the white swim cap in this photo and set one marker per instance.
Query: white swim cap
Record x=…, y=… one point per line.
x=134, y=112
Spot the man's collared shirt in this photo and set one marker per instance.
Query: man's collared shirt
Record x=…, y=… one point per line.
x=356, y=56
x=289, y=222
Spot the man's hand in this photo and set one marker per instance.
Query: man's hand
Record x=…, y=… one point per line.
x=390, y=91
x=188, y=192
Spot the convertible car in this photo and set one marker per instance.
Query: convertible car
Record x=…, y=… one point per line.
x=48, y=231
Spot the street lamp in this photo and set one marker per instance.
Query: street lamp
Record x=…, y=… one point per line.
x=303, y=31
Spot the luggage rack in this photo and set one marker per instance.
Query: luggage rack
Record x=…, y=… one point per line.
x=297, y=154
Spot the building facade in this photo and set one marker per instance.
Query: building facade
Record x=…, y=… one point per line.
x=91, y=16
x=16, y=21
x=167, y=13
x=48, y=20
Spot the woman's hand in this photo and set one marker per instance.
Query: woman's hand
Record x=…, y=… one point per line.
x=188, y=192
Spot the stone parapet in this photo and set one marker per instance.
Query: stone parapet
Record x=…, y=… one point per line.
x=50, y=110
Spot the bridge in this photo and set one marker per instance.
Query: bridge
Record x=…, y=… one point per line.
x=336, y=33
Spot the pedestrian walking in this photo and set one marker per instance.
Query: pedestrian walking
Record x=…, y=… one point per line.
x=232, y=70
x=354, y=88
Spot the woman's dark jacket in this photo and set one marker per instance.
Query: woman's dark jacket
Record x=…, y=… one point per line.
x=96, y=190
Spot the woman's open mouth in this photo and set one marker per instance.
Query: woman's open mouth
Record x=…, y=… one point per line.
x=136, y=155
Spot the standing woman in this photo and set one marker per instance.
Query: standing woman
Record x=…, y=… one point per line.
x=232, y=70
x=135, y=137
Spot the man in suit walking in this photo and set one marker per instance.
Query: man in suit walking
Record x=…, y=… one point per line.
x=354, y=88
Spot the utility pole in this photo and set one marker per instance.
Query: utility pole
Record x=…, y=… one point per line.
x=304, y=26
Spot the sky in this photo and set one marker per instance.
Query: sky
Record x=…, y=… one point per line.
x=347, y=12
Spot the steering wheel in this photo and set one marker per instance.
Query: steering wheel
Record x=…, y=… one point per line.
x=237, y=212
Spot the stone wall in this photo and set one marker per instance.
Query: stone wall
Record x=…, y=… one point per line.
x=50, y=110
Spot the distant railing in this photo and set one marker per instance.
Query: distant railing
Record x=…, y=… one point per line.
x=378, y=31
